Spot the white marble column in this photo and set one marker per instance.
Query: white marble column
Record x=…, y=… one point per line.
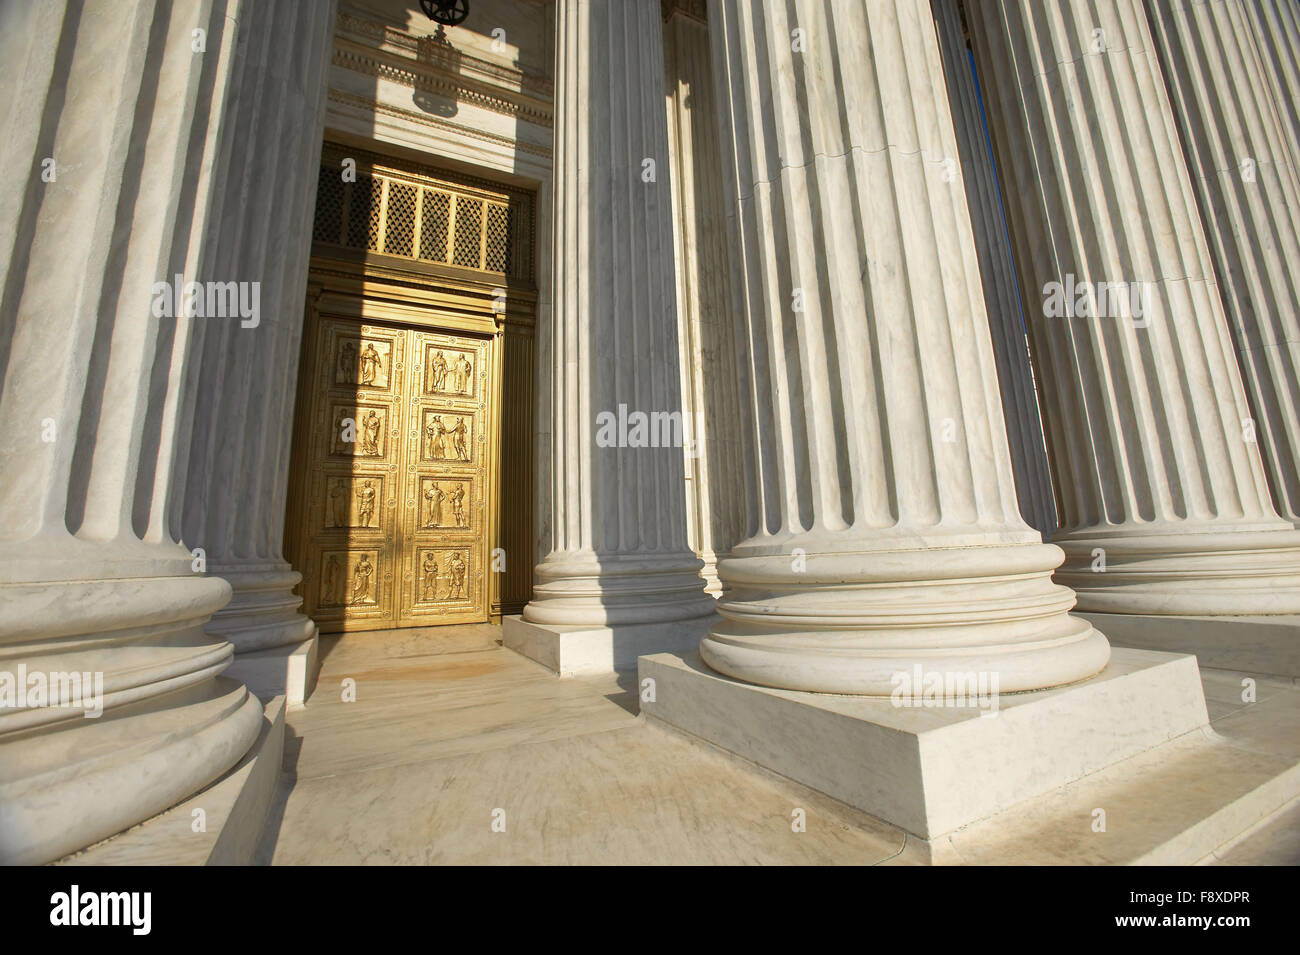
x=715, y=498
x=1165, y=505
x=998, y=274
x=1248, y=190
x=97, y=395
x=618, y=520
x=885, y=531
x=234, y=505
x=1275, y=25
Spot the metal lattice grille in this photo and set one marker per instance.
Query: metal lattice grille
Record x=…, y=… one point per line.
x=364, y=197
x=329, y=206
x=433, y=225
x=469, y=232
x=423, y=214
x=399, y=228
x=496, y=249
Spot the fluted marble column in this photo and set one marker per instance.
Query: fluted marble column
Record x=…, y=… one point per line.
x=1275, y=25
x=234, y=505
x=1248, y=191
x=885, y=527
x=715, y=499
x=618, y=523
x=998, y=274
x=97, y=400
x=1165, y=506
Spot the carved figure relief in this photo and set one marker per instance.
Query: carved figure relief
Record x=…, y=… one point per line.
x=370, y=427
x=456, y=569
x=435, y=435
x=457, y=500
x=458, y=440
x=331, y=592
x=366, y=431
x=352, y=500
x=444, y=504
x=365, y=363
x=450, y=373
x=346, y=372
x=429, y=590
x=443, y=578
x=372, y=365
x=366, y=502
x=361, y=575
x=438, y=372
x=464, y=375
x=338, y=502
x=445, y=437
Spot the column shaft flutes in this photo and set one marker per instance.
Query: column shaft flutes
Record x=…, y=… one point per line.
x=886, y=531
x=1165, y=506
x=619, y=552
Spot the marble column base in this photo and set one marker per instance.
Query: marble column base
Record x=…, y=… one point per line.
x=1267, y=645
x=930, y=770
x=572, y=651
x=281, y=671
x=585, y=589
x=846, y=622
x=712, y=582
x=170, y=724
x=275, y=645
x=60, y=792
x=1208, y=572
x=235, y=810
x=263, y=609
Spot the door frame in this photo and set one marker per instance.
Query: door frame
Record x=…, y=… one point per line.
x=438, y=296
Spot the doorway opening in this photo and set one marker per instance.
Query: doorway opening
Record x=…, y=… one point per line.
x=412, y=412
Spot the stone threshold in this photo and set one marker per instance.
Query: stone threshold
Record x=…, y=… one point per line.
x=581, y=651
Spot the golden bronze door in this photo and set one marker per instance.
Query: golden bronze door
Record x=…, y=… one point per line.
x=394, y=528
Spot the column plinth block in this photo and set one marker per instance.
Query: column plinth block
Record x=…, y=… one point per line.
x=930, y=769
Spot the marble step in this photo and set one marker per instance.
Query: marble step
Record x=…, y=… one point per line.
x=1174, y=805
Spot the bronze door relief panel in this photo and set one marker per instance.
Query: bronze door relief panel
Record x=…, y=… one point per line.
x=443, y=578
x=394, y=529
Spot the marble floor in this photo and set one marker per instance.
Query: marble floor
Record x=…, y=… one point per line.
x=456, y=751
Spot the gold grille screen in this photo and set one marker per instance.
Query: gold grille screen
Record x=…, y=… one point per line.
x=420, y=213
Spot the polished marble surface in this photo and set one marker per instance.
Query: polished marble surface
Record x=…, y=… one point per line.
x=436, y=741
x=448, y=727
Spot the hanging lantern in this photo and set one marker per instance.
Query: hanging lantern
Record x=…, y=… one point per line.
x=447, y=12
